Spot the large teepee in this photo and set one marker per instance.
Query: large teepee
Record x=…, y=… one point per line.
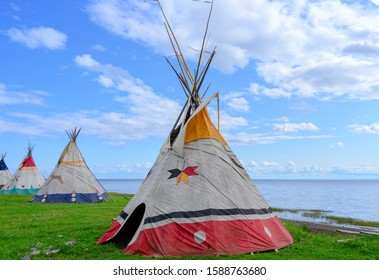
x=71, y=180
x=5, y=175
x=26, y=179
x=197, y=198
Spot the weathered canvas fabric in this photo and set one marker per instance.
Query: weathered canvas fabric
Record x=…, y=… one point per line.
x=198, y=200
x=71, y=180
x=27, y=179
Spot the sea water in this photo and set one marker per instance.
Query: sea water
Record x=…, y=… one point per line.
x=357, y=199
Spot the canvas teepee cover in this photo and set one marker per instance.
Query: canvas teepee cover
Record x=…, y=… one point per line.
x=26, y=179
x=71, y=180
x=5, y=175
x=197, y=198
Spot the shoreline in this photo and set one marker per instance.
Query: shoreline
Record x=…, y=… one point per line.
x=317, y=227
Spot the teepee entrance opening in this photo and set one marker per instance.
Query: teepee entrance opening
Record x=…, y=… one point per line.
x=131, y=226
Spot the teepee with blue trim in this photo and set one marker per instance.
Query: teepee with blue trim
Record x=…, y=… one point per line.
x=5, y=175
x=71, y=180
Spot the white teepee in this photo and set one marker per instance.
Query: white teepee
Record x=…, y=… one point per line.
x=5, y=175
x=197, y=198
x=71, y=180
x=26, y=179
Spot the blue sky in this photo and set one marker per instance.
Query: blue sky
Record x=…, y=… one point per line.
x=298, y=82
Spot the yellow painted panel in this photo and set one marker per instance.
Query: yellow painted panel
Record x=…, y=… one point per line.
x=201, y=127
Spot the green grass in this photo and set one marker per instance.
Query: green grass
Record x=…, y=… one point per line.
x=28, y=226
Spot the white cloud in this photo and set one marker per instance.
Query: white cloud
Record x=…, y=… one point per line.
x=294, y=127
x=39, y=37
x=293, y=170
x=236, y=102
x=273, y=93
x=10, y=97
x=289, y=169
x=302, y=107
x=7, y=126
x=86, y=61
x=320, y=49
x=340, y=145
x=98, y=47
x=105, y=81
x=132, y=167
x=369, y=129
x=355, y=169
x=139, y=167
x=233, y=58
x=244, y=138
x=113, y=127
x=227, y=121
x=135, y=20
x=282, y=119
x=239, y=104
x=149, y=113
x=269, y=164
x=145, y=113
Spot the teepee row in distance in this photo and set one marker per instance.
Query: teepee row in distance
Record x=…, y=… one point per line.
x=71, y=180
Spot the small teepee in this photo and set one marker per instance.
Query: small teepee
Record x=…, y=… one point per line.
x=26, y=179
x=5, y=175
x=197, y=198
x=71, y=180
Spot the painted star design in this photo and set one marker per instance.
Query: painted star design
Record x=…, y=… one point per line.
x=182, y=175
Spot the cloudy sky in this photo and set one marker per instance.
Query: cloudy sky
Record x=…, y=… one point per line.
x=298, y=82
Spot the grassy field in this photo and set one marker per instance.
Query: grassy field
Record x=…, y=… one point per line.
x=70, y=232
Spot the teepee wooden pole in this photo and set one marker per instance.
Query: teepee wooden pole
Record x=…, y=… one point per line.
x=218, y=113
x=180, y=57
x=181, y=79
x=204, y=42
x=205, y=69
x=177, y=55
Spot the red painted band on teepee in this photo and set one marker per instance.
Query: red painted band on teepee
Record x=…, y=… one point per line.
x=111, y=232
x=211, y=238
x=28, y=162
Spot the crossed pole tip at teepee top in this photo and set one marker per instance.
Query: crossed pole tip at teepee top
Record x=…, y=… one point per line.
x=29, y=150
x=73, y=133
x=191, y=82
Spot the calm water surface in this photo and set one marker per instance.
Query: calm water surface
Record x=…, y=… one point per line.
x=357, y=199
